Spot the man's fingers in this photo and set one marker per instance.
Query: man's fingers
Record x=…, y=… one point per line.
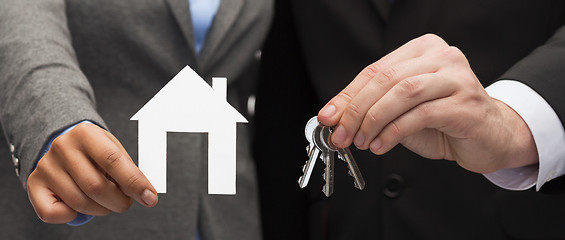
x=115, y=140
x=113, y=160
x=91, y=180
x=403, y=97
x=331, y=113
x=46, y=205
x=417, y=47
x=65, y=188
x=395, y=76
x=424, y=118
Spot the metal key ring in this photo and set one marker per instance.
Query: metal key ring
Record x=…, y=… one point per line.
x=321, y=136
x=310, y=127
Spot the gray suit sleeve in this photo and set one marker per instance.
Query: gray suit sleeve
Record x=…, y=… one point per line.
x=42, y=89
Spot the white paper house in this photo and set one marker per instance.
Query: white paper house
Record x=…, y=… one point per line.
x=188, y=104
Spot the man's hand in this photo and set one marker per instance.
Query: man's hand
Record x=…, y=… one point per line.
x=88, y=171
x=425, y=96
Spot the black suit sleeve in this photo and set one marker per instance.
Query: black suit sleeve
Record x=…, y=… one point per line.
x=544, y=71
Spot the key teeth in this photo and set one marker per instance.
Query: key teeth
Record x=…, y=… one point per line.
x=300, y=181
x=326, y=192
x=305, y=166
x=357, y=186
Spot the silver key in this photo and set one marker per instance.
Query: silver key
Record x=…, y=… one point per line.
x=345, y=155
x=327, y=157
x=312, y=150
x=328, y=188
x=318, y=137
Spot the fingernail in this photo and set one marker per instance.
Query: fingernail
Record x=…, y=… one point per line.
x=328, y=111
x=376, y=145
x=338, y=136
x=359, y=139
x=148, y=197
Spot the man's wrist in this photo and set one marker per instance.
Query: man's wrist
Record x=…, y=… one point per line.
x=546, y=129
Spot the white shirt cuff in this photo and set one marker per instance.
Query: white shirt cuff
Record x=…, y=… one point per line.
x=546, y=129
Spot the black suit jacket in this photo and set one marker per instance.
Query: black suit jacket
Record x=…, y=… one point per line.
x=317, y=47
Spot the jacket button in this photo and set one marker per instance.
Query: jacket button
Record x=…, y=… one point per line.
x=257, y=55
x=251, y=105
x=15, y=160
x=393, y=186
x=16, y=165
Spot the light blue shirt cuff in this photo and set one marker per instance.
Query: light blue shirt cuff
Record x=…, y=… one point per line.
x=80, y=220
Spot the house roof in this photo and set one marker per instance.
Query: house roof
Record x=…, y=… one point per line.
x=187, y=95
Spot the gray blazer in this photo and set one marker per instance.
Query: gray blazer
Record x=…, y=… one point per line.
x=65, y=61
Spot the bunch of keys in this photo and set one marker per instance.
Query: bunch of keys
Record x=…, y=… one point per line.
x=318, y=136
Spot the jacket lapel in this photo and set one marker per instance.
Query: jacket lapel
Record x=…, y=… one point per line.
x=181, y=12
x=226, y=16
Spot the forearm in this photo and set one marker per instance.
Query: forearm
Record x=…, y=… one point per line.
x=42, y=89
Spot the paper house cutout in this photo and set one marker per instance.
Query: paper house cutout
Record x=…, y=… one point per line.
x=188, y=104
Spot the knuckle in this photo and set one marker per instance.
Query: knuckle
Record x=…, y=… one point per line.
x=30, y=182
x=94, y=188
x=77, y=202
x=133, y=180
x=431, y=38
x=466, y=85
x=371, y=118
x=83, y=126
x=33, y=180
x=82, y=129
x=386, y=77
x=41, y=167
x=395, y=129
x=45, y=166
x=345, y=96
x=452, y=53
x=372, y=69
x=425, y=111
x=59, y=144
x=353, y=110
x=410, y=88
x=112, y=159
